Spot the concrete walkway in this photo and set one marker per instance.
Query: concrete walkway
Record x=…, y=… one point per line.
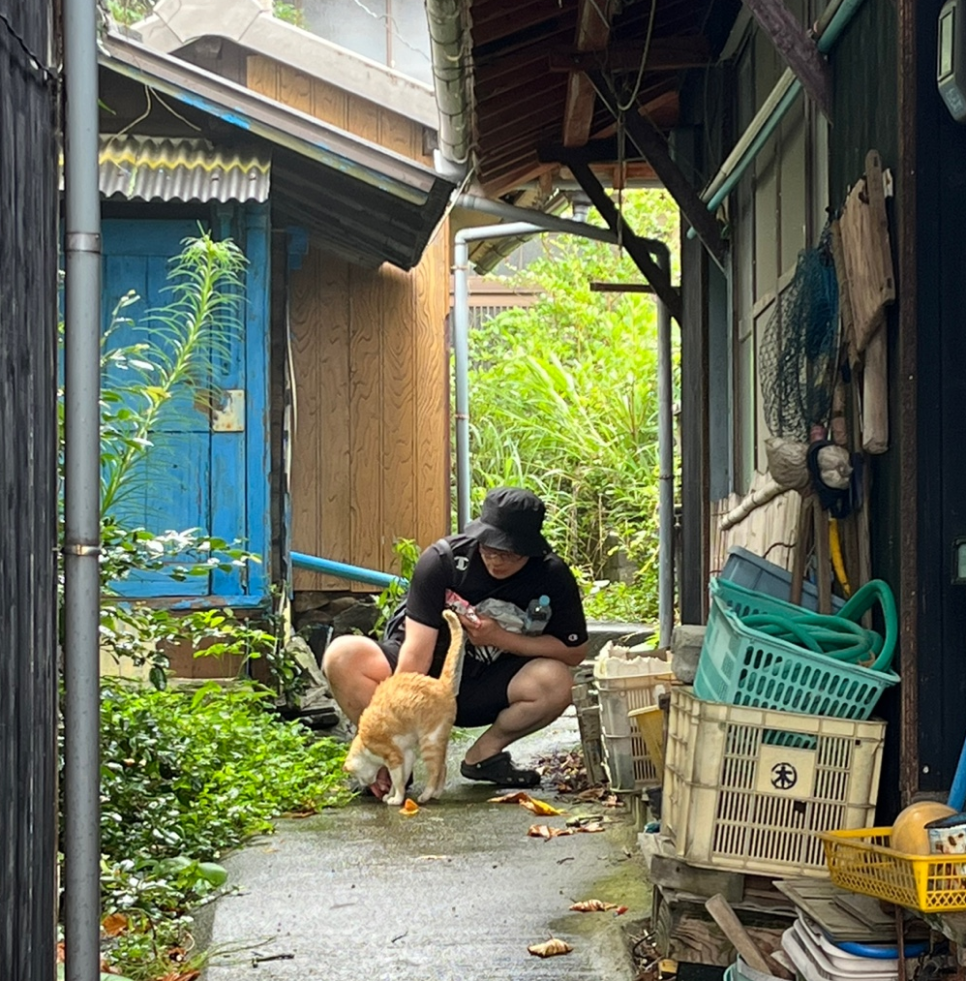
x=455, y=892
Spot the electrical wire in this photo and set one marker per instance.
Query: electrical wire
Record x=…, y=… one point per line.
x=644, y=54
x=48, y=74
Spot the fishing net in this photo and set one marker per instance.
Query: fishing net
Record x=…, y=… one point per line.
x=799, y=347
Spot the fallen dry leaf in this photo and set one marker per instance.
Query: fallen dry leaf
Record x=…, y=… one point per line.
x=540, y=807
x=191, y=975
x=593, y=906
x=409, y=807
x=551, y=948
x=114, y=925
x=620, y=911
x=545, y=831
x=517, y=797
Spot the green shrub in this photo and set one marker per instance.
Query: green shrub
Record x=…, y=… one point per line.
x=563, y=399
x=184, y=776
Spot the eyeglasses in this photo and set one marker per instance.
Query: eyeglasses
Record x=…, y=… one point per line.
x=499, y=554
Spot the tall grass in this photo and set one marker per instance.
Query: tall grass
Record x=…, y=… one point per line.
x=563, y=399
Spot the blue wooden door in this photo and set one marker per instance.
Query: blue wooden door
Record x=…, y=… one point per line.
x=204, y=470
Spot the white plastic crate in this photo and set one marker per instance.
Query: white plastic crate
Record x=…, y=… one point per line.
x=627, y=763
x=625, y=755
x=746, y=788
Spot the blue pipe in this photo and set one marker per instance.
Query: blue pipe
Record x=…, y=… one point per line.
x=826, y=41
x=341, y=570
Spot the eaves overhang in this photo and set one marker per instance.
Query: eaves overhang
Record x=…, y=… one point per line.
x=380, y=205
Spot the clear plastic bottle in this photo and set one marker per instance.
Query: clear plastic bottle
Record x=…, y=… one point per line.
x=538, y=615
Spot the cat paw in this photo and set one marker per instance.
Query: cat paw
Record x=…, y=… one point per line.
x=427, y=795
x=394, y=799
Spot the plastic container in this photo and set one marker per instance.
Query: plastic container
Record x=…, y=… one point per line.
x=743, y=666
x=738, y=796
x=817, y=959
x=862, y=861
x=624, y=684
x=650, y=724
x=753, y=572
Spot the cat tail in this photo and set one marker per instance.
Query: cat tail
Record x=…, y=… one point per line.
x=453, y=665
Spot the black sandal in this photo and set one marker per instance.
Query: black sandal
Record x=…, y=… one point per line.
x=500, y=770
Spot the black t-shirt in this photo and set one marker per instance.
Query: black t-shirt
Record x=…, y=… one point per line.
x=455, y=563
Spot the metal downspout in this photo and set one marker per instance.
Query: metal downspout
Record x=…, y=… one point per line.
x=81, y=495
x=449, y=74
x=833, y=21
x=461, y=348
x=539, y=222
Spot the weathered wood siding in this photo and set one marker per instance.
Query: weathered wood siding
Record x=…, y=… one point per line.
x=338, y=107
x=371, y=448
x=28, y=523
x=370, y=460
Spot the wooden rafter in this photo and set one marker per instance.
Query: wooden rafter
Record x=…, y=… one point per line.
x=654, y=149
x=664, y=55
x=593, y=33
x=637, y=248
x=795, y=46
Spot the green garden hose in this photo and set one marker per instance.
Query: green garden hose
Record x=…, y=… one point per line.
x=838, y=636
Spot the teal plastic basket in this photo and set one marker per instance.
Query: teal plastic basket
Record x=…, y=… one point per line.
x=743, y=666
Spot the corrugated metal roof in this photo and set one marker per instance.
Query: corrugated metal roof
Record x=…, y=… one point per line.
x=144, y=169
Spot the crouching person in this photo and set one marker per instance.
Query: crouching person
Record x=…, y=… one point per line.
x=521, y=611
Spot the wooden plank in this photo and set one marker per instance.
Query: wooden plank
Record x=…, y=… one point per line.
x=592, y=34
x=363, y=118
x=366, y=359
x=307, y=396
x=796, y=47
x=726, y=918
x=432, y=480
x=262, y=76
x=330, y=104
x=402, y=136
x=671, y=873
x=867, y=252
x=294, y=89
x=398, y=392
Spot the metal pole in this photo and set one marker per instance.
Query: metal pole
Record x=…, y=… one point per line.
x=665, y=459
x=81, y=495
x=461, y=359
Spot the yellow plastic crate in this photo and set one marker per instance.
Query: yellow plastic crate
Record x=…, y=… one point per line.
x=862, y=861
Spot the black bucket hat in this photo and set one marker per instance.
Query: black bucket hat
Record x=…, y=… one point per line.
x=511, y=520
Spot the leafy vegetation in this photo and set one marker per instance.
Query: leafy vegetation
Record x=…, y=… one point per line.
x=129, y=12
x=184, y=774
x=564, y=401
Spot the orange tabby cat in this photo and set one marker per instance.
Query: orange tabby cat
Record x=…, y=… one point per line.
x=410, y=711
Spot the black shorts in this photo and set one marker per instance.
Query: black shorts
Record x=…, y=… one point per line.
x=483, y=686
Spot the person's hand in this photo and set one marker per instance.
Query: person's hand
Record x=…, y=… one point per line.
x=483, y=631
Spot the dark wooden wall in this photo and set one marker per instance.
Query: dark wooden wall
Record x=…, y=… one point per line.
x=28, y=525
x=941, y=418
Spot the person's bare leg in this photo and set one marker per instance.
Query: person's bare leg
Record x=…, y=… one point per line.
x=539, y=693
x=354, y=666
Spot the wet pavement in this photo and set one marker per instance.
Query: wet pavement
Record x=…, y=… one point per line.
x=455, y=892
